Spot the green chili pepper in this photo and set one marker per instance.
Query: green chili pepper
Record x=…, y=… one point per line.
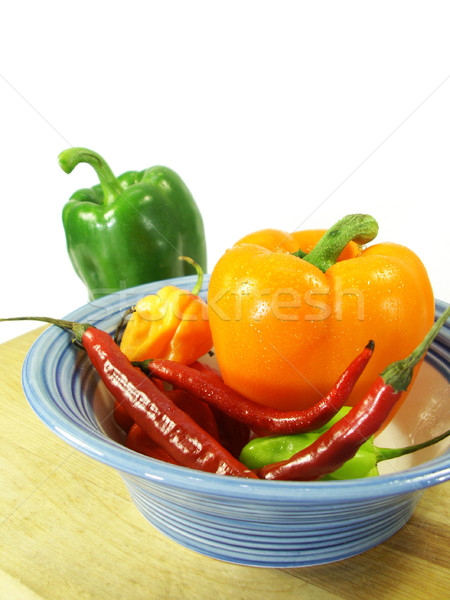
x=263, y=451
x=130, y=229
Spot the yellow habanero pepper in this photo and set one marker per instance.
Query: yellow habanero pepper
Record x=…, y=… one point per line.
x=285, y=322
x=171, y=324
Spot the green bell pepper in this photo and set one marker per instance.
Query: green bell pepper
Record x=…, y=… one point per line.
x=130, y=229
x=268, y=450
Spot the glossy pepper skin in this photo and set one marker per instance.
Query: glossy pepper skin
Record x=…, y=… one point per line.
x=147, y=405
x=271, y=449
x=338, y=444
x=284, y=327
x=339, y=450
x=130, y=229
x=264, y=451
x=256, y=417
x=172, y=324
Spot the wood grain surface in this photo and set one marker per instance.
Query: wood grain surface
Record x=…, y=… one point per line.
x=68, y=530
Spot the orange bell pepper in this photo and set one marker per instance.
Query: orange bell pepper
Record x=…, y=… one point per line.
x=171, y=324
x=285, y=325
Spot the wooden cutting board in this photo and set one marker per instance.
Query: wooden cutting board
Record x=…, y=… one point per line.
x=68, y=530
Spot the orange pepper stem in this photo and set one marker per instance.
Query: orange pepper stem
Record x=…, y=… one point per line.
x=358, y=228
x=399, y=374
x=299, y=253
x=197, y=267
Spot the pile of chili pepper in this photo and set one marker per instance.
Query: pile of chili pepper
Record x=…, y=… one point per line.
x=199, y=380
x=184, y=425
x=169, y=427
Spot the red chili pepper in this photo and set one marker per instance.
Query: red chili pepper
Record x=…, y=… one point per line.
x=198, y=410
x=233, y=434
x=341, y=442
x=256, y=416
x=207, y=370
x=139, y=441
x=148, y=406
x=121, y=417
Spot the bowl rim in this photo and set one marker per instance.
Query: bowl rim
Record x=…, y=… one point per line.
x=127, y=462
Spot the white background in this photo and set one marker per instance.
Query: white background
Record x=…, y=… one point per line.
x=283, y=114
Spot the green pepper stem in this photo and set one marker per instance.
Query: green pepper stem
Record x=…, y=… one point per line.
x=358, y=228
x=77, y=328
x=388, y=453
x=70, y=158
x=299, y=253
x=144, y=365
x=197, y=267
x=399, y=374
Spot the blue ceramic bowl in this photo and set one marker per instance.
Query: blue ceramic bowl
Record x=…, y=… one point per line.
x=258, y=523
